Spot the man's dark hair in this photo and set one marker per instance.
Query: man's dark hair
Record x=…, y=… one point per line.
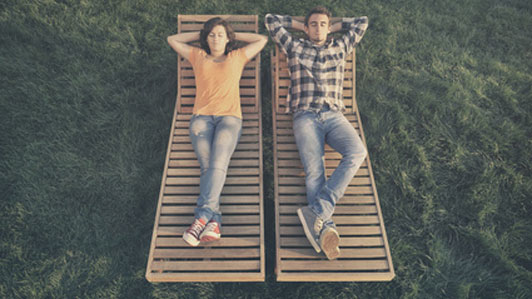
x=317, y=10
x=207, y=28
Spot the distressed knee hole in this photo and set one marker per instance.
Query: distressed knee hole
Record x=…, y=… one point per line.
x=197, y=130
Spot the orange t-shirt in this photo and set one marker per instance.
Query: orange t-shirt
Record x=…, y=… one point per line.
x=217, y=83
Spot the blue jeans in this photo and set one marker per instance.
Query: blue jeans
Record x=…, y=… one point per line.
x=214, y=139
x=312, y=130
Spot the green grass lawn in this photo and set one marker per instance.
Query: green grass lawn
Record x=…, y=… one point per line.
x=86, y=102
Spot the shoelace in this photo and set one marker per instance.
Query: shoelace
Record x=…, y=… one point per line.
x=195, y=228
x=211, y=226
x=318, y=225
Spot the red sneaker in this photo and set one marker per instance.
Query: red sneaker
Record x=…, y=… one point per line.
x=211, y=232
x=192, y=234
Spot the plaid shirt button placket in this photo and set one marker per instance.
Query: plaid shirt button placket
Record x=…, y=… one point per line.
x=317, y=73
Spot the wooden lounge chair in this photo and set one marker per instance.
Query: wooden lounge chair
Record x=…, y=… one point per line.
x=365, y=254
x=239, y=255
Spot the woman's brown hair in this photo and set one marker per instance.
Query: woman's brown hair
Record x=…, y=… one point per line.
x=207, y=28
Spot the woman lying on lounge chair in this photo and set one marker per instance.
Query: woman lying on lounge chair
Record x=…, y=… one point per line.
x=216, y=123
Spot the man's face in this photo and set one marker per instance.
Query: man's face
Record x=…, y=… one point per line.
x=318, y=28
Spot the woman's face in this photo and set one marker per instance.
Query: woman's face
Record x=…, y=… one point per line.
x=217, y=39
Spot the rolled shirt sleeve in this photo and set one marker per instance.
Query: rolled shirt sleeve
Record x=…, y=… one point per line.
x=277, y=27
x=356, y=28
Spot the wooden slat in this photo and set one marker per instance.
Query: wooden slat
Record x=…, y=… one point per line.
x=364, y=250
x=227, y=220
x=344, y=241
x=207, y=252
x=287, y=139
x=232, y=163
x=198, y=27
x=225, y=209
x=236, y=155
x=185, y=109
x=364, y=180
x=296, y=169
x=204, y=276
x=232, y=171
x=295, y=162
x=187, y=147
x=239, y=255
x=342, y=230
x=346, y=92
x=224, y=199
x=243, y=139
x=229, y=181
x=353, y=199
x=226, y=230
x=246, y=117
x=246, y=98
x=338, y=276
x=229, y=18
x=293, y=147
x=338, y=265
x=186, y=266
x=339, y=220
x=223, y=242
x=226, y=190
x=355, y=253
x=245, y=131
x=340, y=209
x=302, y=190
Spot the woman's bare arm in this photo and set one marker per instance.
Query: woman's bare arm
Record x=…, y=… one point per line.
x=256, y=43
x=179, y=41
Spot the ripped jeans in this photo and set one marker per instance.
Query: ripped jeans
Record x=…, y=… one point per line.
x=214, y=139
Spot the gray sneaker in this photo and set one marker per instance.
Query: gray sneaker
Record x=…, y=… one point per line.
x=312, y=225
x=329, y=240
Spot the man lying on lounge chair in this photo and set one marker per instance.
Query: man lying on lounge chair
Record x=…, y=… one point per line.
x=315, y=99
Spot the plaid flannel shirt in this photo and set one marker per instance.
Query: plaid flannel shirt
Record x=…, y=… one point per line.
x=316, y=72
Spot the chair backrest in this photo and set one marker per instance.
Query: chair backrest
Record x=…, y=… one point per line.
x=281, y=75
x=186, y=86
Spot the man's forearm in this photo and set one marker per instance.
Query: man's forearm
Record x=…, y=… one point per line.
x=296, y=25
x=336, y=27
